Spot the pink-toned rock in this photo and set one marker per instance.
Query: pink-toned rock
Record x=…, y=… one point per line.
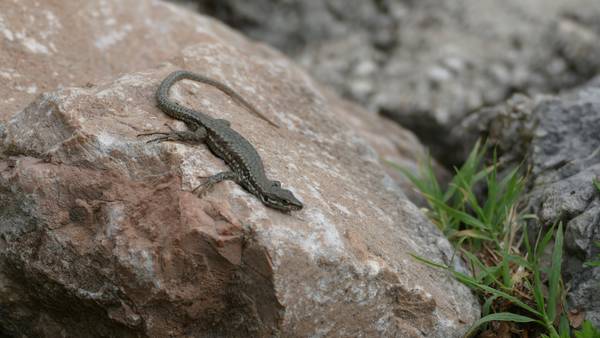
x=50, y=44
x=46, y=45
x=100, y=236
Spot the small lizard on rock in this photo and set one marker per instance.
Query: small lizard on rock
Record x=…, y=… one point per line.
x=246, y=165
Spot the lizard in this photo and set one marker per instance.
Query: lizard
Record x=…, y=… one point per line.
x=246, y=165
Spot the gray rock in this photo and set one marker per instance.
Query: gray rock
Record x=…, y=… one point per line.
x=427, y=64
x=585, y=294
x=581, y=231
x=558, y=139
x=509, y=126
x=565, y=160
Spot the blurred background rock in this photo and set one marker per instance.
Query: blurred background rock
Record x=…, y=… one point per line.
x=427, y=64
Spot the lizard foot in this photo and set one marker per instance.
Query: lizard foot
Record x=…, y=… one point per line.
x=186, y=136
x=211, y=181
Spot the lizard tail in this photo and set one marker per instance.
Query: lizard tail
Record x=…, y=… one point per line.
x=183, y=74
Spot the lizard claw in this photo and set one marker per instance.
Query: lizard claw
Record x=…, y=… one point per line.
x=159, y=139
x=202, y=189
x=172, y=135
x=165, y=136
x=150, y=134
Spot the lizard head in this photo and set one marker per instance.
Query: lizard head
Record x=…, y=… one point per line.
x=281, y=199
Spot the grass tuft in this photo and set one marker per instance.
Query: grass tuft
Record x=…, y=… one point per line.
x=479, y=213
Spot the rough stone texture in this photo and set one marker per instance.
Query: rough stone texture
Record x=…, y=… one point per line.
x=508, y=126
x=50, y=44
x=53, y=44
x=100, y=236
x=558, y=138
x=102, y=222
x=566, y=159
x=428, y=63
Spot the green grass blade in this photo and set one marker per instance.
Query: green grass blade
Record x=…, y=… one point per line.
x=487, y=305
x=487, y=273
x=467, y=280
x=554, y=277
x=468, y=195
x=500, y=316
x=427, y=169
x=492, y=194
x=468, y=169
x=520, y=261
x=423, y=185
x=537, y=290
x=541, y=246
x=471, y=233
x=564, y=331
x=587, y=331
x=506, y=273
x=428, y=262
x=592, y=264
x=458, y=214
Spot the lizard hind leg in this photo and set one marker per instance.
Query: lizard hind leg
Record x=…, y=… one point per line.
x=185, y=136
x=211, y=181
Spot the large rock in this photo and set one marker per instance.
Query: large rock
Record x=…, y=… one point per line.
x=428, y=63
x=566, y=160
x=99, y=221
x=100, y=236
x=55, y=44
x=558, y=138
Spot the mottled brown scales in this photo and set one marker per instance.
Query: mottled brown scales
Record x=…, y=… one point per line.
x=246, y=165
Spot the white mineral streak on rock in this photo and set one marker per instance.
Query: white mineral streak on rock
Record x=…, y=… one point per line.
x=107, y=141
x=8, y=74
x=142, y=263
x=325, y=232
x=113, y=37
x=31, y=44
x=115, y=219
x=30, y=89
x=342, y=208
x=53, y=25
x=8, y=34
x=323, y=241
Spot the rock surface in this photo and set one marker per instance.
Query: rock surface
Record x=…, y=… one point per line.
x=566, y=160
x=558, y=138
x=55, y=44
x=100, y=220
x=100, y=236
x=428, y=63
x=51, y=44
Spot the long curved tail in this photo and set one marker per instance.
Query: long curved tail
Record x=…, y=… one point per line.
x=184, y=74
